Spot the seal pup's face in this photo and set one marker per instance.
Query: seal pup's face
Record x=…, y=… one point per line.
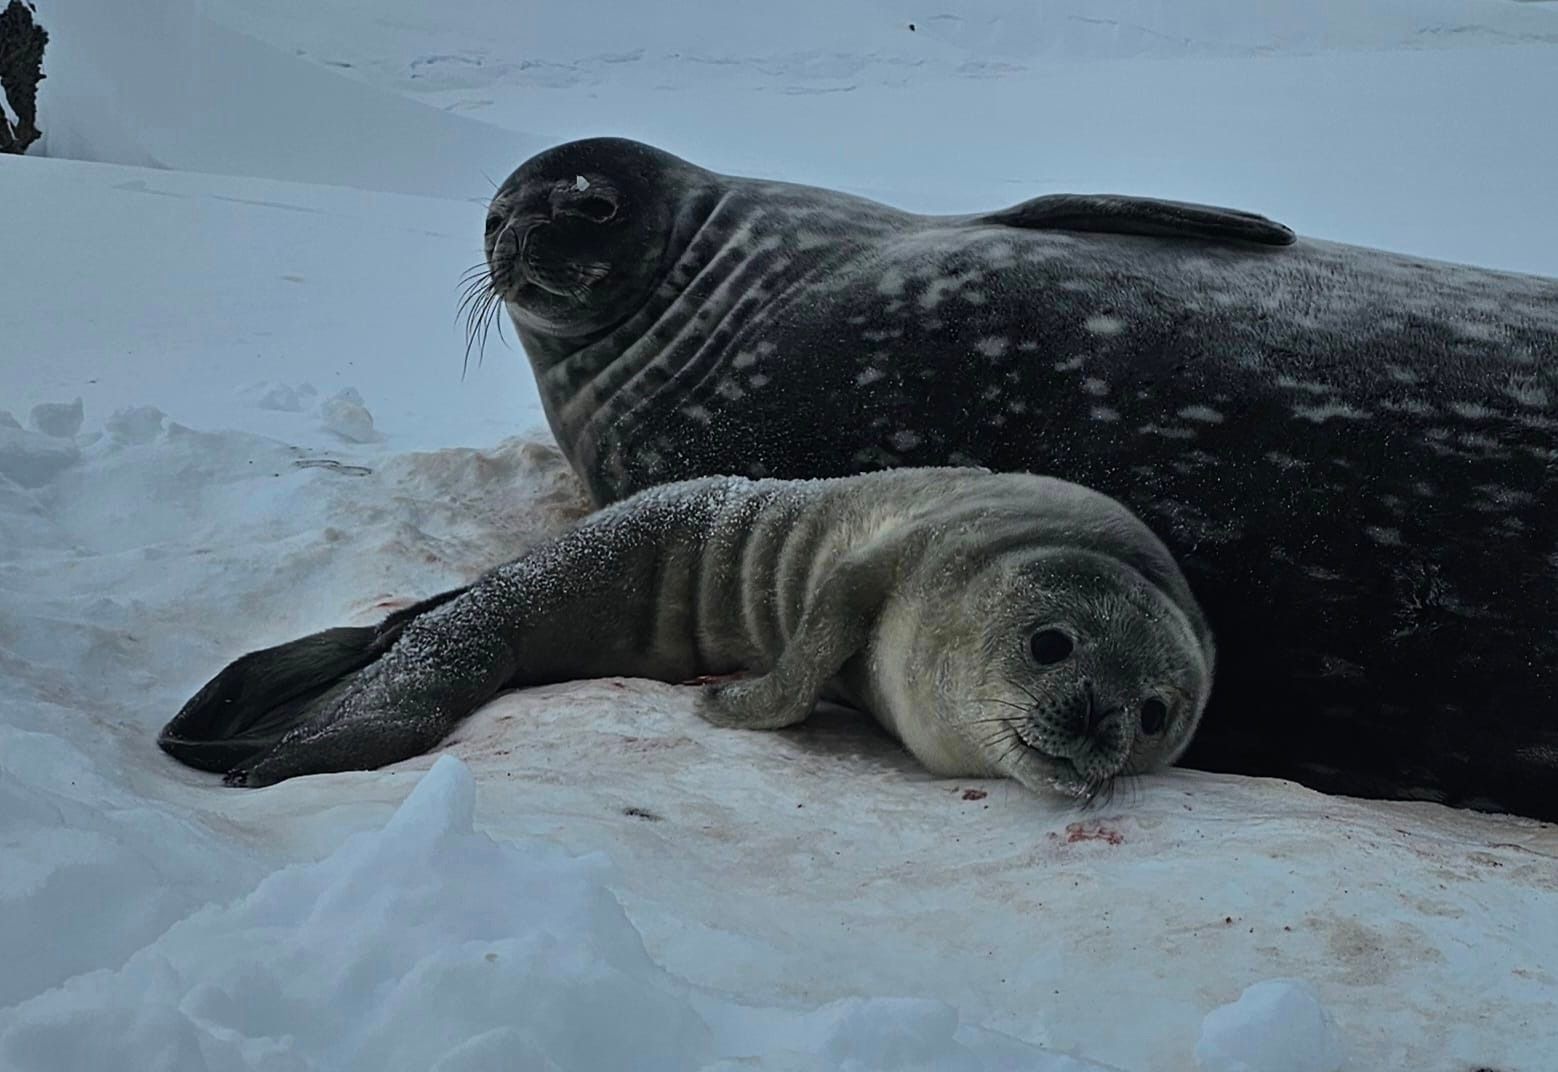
x=1077, y=670
x=577, y=237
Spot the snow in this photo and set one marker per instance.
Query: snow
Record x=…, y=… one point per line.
x=251, y=283
x=59, y=419
x=1276, y=1026
x=451, y=951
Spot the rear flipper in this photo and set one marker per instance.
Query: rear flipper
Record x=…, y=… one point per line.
x=267, y=697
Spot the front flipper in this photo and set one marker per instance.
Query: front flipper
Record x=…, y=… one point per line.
x=261, y=697
x=834, y=627
x=1115, y=214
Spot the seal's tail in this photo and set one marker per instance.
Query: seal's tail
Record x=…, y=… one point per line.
x=258, y=698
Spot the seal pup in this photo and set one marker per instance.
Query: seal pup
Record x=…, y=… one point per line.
x=1353, y=454
x=999, y=625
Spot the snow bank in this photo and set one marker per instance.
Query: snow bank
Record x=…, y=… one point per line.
x=428, y=946
x=1275, y=1026
x=204, y=287
x=423, y=945
x=92, y=869
x=157, y=83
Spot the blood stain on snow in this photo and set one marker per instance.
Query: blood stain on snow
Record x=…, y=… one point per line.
x=974, y=794
x=1093, y=831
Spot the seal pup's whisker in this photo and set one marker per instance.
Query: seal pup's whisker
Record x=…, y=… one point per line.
x=1097, y=793
x=1004, y=703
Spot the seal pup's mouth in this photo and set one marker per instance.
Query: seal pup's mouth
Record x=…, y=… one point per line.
x=1078, y=747
x=1066, y=777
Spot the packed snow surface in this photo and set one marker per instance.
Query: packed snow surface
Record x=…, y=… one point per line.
x=232, y=411
x=1277, y=1025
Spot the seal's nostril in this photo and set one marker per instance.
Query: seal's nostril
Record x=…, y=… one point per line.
x=506, y=242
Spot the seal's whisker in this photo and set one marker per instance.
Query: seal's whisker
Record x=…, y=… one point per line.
x=1012, y=722
x=1129, y=781
x=1006, y=703
x=1028, y=693
x=1097, y=792
x=995, y=737
x=471, y=300
x=479, y=315
x=480, y=305
x=494, y=316
x=1016, y=746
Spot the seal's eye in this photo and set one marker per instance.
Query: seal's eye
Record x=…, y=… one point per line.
x=1154, y=716
x=494, y=221
x=594, y=208
x=1050, y=646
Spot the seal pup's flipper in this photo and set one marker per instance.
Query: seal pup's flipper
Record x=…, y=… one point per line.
x=1115, y=214
x=432, y=669
x=835, y=627
x=257, y=698
x=260, y=697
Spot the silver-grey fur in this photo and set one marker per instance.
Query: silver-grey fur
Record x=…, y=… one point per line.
x=914, y=595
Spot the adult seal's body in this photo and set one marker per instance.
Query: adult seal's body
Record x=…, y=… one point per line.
x=1353, y=454
x=997, y=624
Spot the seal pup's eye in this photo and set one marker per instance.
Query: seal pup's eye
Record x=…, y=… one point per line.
x=1154, y=716
x=597, y=209
x=494, y=221
x=1050, y=646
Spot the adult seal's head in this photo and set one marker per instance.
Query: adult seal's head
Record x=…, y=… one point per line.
x=581, y=234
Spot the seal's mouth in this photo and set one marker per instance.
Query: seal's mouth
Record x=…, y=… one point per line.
x=1066, y=777
x=1066, y=770
x=535, y=253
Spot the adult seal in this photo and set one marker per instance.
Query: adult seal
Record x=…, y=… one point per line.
x=1353, y=454
x=998, y=624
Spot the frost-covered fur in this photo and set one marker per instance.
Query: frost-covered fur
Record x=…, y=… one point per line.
x=912, y=594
